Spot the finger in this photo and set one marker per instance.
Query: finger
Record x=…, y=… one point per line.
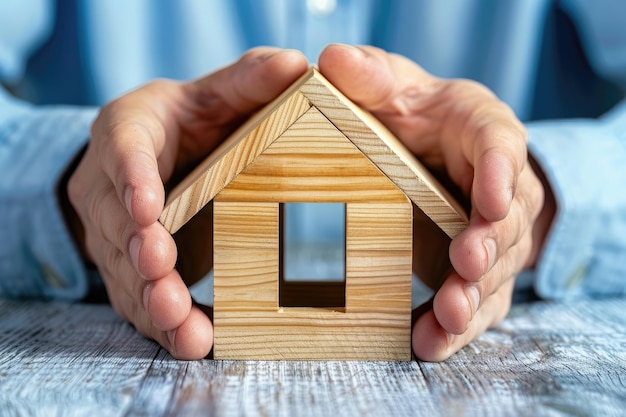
x=160, y=310
x=475, y=250
x=492, y=140
x=391, y=87
x=510, y=245
x=431, y=116
x=217, y=104
x=394, y=89
x=137, y=137
x=191, y=340
x=125, y=143
x=166, y=300
x=258, y=77
x=499, y=155
x=151, y=249
x=431, y=342
x=372, y=86
x=381, y=80
x=457, y=301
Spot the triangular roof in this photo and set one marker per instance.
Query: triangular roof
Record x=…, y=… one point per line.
x=373, y=140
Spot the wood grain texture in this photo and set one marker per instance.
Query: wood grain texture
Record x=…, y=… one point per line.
x=378, y=259
x=312, y=145
x=311, y=162
x=371, y=138
x=387, y=152
x=250, y=323
x=544, y=359
x=228, y=160
x=245, y=259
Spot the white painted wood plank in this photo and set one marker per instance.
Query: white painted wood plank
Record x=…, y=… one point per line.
x=545, y=359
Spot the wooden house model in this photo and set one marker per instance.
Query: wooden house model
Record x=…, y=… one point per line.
x=312, y=144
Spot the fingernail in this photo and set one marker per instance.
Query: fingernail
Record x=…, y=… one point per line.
x=128, y=200
x=491, y=249
x=473, y=296
x=133, y=250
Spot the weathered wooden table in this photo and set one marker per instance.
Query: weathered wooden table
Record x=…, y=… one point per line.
x=543, y=360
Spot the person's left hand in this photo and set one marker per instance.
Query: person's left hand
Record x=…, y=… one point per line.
x=458, y=128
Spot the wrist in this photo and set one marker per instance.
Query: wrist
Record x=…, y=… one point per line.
x=72, y=220
x=544, y=220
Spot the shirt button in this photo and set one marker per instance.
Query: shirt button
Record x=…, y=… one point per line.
x=321, y=7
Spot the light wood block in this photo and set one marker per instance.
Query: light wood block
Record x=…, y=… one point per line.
x=378, y=250
x=379, y=257
x=245, y=258
x=363, y=130
x=312, y=161
x=387, y=153
x=312, y=144
x=229, y=159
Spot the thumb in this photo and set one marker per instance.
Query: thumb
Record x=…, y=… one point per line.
x=216, y=104
x=393, y=88
x=259, y=76
x=373, y=78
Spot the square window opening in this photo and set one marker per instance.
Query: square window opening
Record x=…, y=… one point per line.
x=312, y=255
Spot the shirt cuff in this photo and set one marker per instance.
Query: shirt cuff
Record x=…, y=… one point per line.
x=40, y=259
x=585, y=163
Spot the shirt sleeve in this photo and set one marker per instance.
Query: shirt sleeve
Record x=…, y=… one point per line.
x=585, y=163
x=37, y=255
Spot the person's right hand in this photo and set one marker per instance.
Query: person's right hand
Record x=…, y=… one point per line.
x=138, y=142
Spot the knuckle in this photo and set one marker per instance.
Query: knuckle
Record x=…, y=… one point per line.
x=501, y=131
x=96, y=204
